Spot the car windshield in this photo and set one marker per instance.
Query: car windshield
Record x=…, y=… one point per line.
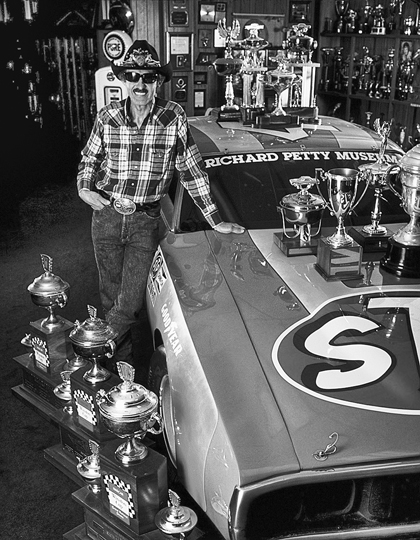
x=249, y=192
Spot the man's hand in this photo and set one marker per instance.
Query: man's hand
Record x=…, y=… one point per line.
x=225, y=228
x=93, y=199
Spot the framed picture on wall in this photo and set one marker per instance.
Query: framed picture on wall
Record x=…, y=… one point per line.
x=272, y=26
x=299, y=12
x=199, y=99
x=220, y=11
x=205, y=38
x=180, y=49
x=207, y=12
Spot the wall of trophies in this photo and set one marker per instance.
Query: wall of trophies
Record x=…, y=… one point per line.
x=370, y=56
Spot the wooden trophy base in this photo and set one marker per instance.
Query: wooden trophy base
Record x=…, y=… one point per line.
x=50, y=346
x=336, y=264
x=293, y=247
x=133, y=494
x=371, y=243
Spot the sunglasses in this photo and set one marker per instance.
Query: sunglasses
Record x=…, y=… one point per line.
x=148, y=78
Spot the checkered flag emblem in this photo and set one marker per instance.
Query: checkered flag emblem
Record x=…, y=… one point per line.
x=112, y=479
x=81, y=399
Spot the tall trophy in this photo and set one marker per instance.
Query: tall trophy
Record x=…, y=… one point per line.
x=402, y=257
x=338, y=255
x=302, y=212
x=374, y=237
x=228, y=67
x=341, y=8
x=280, y=79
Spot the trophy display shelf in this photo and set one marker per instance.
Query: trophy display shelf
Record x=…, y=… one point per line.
x=100, y=525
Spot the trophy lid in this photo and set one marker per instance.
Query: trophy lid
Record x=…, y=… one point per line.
x=48, y=283
x=411, y=161
x=175, y=519
x=128, y=400
x=302, y=201
x=93, y=331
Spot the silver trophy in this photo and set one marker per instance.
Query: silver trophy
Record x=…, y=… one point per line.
x=49, y=291
x=303, y=212
x=403, y=252
x=63, y=391
x=90, y=468
x=129, y=411
x=280, y=79
x=175, y=521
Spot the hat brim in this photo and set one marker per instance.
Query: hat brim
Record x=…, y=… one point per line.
x=165, y=70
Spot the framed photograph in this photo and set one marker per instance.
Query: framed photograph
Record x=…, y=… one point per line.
x=299, y=12
x=205, y=38
x=205, y=59
x=207, y=12
x=218, y=40
x=200, y=78
x=199, y=99
x=406, y=51
x=221, y=8
x=180, y=50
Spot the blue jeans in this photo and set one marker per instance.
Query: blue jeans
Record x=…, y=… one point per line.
x=124, y=247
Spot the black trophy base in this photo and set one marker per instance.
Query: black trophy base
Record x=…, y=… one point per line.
x=133, y=494
x=50, y=346
x=250, y=114
x=371, y=243
x=229, y=114
x=293, y=247
x=401, y=260
x=273, y=121
x=86, y=410
x=336, y=264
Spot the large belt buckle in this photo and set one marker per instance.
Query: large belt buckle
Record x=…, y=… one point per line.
x=124, y=206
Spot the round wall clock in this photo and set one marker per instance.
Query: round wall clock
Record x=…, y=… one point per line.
x=207, y=13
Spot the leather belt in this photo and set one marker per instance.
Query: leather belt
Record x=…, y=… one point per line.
x=126, y=206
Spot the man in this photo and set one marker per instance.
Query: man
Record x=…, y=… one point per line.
x=126, y=167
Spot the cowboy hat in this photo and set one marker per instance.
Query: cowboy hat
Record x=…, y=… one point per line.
x=141, y=55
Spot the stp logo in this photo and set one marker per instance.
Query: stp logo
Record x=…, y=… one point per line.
x=358, y=351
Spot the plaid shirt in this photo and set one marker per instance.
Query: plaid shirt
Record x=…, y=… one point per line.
x=138, y=162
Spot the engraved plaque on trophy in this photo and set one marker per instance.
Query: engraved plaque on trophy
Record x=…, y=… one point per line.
x=49, y=336
x=339, y=256
x=133, y=494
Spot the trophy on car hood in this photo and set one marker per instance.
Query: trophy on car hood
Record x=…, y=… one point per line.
x=338, y=255
x=402, y=257
x=374, y=237
x=303, y=212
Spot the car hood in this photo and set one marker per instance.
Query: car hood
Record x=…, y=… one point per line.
x=339, y=357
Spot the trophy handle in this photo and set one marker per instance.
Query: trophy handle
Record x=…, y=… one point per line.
x=320, y=173
x=297, y=232
x=393, y=169
x=155, y=417
x=363, y=176
x=62, y=299
x=112, y=346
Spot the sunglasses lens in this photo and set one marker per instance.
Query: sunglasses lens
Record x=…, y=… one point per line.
x=148, y=78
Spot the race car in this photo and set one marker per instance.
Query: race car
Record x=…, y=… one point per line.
x=290, y=402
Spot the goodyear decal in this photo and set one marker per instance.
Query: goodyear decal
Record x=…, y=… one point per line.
x=170, y=330
x=259, y=157
x=357, y=351
x=157, y=277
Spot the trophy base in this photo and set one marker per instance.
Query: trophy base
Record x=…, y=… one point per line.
x=133, y=494
x=371, y=243
x=86, y=409
x=293, y=247
x=401, y=260
x=337, y=264
x=229, y=115
x=250, y=114
x=276, y=120
x=50, y=346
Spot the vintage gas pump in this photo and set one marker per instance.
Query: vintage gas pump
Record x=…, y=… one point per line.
x=107, y=87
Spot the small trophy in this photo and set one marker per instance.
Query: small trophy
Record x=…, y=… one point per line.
x=341, y=8
x=90, y=468
x=228, y=67
x=63, y=391
x=402, y=257
x=176, y=521
x=374, y=237
x=302, y=211
x=338, y=255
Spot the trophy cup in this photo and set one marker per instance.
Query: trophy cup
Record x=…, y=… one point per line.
x=338, y=255
x=63, y=391
x=129, y=411
x=176, y=521
x=402, y=257
x=49, y=336
x=93, y=340
x=281, y=79
x=228, y=67
x=341, y=7
x=374, y=237
x=90, y=468
x=302, y=211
